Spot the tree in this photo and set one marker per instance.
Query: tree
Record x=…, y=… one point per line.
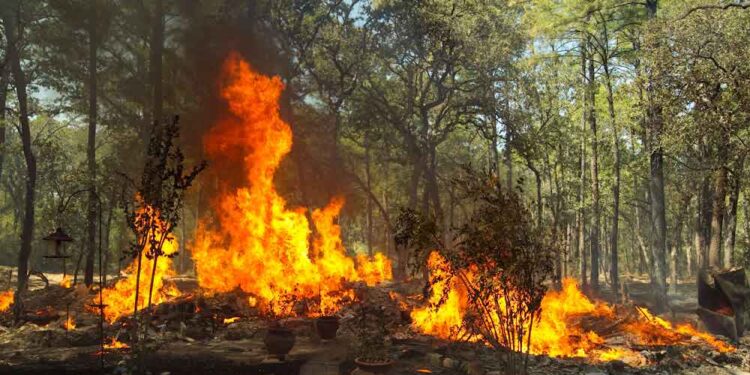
x=13, y=22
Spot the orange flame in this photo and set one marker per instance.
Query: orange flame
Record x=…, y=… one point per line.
x=654, y=330
x=120, y=298
x=65, y=282
x=231, y=320
x=6, y=299
x=443, y=316
x=114, y=344
x=262, y=246
x=69, y=324
x=557, y=333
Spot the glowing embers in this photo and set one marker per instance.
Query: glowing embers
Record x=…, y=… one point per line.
x=260, y=245
x=559, y=331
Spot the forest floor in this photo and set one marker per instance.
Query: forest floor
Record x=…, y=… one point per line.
x=189, y=336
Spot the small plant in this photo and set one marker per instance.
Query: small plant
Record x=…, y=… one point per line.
x=504, y=261
x=371, y=333
x=155, y=211
x=501, y=262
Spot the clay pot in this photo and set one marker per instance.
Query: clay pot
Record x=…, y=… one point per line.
x=374, y=366
x=327, y=326
x=279, y=341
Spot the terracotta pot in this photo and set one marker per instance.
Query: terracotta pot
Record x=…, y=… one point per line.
x=327, y=326
x=279, y=341
x=375, y=366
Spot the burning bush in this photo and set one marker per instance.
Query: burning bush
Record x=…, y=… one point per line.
x=501, y=262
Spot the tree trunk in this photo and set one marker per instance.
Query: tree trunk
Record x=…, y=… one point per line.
x=88, y=275
x=677, y=243
x=431, y=185
x=731, y=220
x=581, y=217
x=594, y=177
x=509, y=156
x=4, y=81
x=416, y=175
x=14, y=32
x=368, y=182
x=614, y=271
x=698, y=231
x=705, y=220
x=155, y=61
x=539, y=205
x=656, y=185
x=717, y=214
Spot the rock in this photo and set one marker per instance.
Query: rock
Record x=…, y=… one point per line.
x=238, y=332
x=451, y=363
x=196, y=332
x=434, y=359
x=475, y=368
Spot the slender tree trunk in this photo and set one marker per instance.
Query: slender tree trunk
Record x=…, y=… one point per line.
x=677, y=243
x=717, y=215
x=596, y=214
x=509, y=156
x=431, y=185
x=88, y=275
x=4, y=82
x=494, y=152
x=368, y=181
x=581, y=217
x=416, y=175
x=614, y=271
x=731, y=220
x=698, y=230
x=539, y=205
x=705, y=220
x=14, y=32
x=568, y=249
x=155, y=61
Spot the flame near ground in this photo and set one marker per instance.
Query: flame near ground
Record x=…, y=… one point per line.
x=261, y=245
x=120, y=298
x=556, y=334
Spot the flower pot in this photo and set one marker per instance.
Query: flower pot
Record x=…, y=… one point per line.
x=279, y=341
x=327, y=326
x=374, y=365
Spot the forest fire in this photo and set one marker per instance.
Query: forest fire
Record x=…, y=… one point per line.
x=115, y=344
x=120, y=298
x=6, y=299
x=261, y=245
x=69, y=324
x=559, y=332
x=65, y=282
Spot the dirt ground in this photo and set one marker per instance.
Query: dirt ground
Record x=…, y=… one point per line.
x=184, y=339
